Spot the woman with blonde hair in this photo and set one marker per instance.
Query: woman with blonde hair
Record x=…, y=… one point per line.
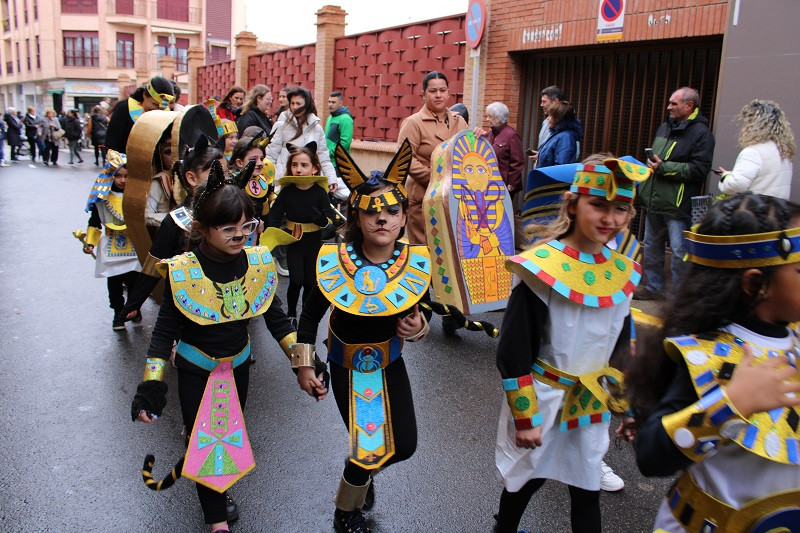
x=764, y=165
x=255, y=111
x=52, y=134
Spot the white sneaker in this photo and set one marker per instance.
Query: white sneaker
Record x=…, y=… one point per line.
x=609, y=481
x=5, y=164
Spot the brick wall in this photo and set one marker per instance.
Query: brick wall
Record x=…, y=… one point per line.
x=518, y=26
x=283, y=67
x=215, y=80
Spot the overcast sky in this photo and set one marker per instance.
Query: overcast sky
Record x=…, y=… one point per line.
x=292, y=21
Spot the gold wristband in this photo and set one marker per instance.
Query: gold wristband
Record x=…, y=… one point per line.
x=287, y=342
x=155, y=369
x=92, y=236
x=302, y=355
x=149, y=266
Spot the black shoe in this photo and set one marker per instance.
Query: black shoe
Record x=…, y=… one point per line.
x=352, y=522
x=231, y=508
x=369, y=500
x=118, y=324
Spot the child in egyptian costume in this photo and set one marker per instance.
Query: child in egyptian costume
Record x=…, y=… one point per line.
x=211, y=294
x=562, y=325
x=106, y=232
x=374, y=283
x=260, y=186
x=716, y=389
x=226, y=130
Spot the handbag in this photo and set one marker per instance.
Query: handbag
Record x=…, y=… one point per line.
x=58, y=134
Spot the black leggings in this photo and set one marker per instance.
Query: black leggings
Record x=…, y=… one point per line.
x=116, y=298
x=301, y=258
x=584, y=508
x=190, y=393
x=404, y=421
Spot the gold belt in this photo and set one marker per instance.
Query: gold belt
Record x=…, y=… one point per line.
x=364, y=357
x=297, y=229
x=699, y=511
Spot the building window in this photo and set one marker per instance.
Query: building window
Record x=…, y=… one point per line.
x=6, y=15
x=81, y=49
x=25, y=11
x=80, y=7
x=181, y=52
x=28, y=53
x=19, y=68
x=124, y=50
x=35, y=9
x=38, y=54
x=173, y=10
x=14, y=11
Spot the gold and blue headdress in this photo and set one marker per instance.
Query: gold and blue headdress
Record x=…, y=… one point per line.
x=104, y=180
x=773, y=248
x=394, y=176
x=615, y=180
x=162, y=99
x=223, y=127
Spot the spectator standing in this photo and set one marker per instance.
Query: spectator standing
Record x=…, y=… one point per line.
x=3, y=128
x=550, y=95
x=73, y=134
x=283, y=102
x=682, y=152
x=156, y=94
x=51, y=137
x=32, y=130
x=425, y=130
x=176, y=92
x=764, y=165
x=98, y=127
x=460, y=110
x=339, y=127
x=507, y=146
x=301, y=128
x=565, y=132
x=13, y=132
x=232, y=104
x=255, y=110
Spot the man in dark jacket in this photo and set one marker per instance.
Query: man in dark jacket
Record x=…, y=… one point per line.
x=73, y=134
x=14, y=133
x=32, y=130
x=681, y=160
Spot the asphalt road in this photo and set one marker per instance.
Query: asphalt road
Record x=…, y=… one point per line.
x=72, y=456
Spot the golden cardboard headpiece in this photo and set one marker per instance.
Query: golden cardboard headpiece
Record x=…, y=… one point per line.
x=773, y=248
x=162, y=99
x=394, y=175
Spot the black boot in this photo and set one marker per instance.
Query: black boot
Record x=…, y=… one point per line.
x=231, y=508
x=350, y=522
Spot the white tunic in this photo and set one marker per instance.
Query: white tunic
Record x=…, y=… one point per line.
x=732, y=474
x=576, y=339
x=115, y=253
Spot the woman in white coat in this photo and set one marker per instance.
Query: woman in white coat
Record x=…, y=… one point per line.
x=764, y=165
x=300, y=127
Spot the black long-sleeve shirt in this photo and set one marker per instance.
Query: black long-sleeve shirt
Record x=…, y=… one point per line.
x=216, y=340
x=297, y=206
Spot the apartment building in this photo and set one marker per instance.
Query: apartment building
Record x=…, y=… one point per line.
x=74, y=53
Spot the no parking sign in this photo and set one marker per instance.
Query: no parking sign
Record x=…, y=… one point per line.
x=610, y=18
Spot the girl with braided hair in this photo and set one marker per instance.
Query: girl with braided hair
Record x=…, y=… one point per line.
x=210, y=295
x=715, y=391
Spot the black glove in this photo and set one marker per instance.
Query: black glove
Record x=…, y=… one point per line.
x=150, y=397
x=319, y=217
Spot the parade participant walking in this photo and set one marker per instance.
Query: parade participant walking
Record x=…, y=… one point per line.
x=232, y=284
x=261, y=186
x=426, y=129
x=571, y=277
x=765, y=163
x=160, y=200
x=716, y=389
x=157, y=94
x=367, y=331
x=307, y=211
x=73, y=133
x=116, y=258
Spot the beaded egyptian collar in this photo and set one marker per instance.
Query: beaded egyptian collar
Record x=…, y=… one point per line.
x=711, y=359
x=594, y=280
x=355, y=285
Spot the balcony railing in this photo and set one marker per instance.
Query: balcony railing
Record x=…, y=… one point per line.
x=136, y=8
x=137, y=60
x=167, y=11
x=80, y=7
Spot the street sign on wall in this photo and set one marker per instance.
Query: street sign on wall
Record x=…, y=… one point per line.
x=610, y=19
x=476, y=22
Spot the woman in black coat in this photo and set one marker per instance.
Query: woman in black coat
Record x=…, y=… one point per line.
x=14, y=133
x=73, y=132
x=98, y=126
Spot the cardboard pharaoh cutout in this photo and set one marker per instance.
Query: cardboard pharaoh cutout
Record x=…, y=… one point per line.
x=469, y=222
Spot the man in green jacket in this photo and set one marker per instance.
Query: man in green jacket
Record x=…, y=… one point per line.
x=680, y=159
x=338, y=129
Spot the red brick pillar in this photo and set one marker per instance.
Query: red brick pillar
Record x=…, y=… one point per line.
x=196, y=57
x=246, y=45
x=330, y=25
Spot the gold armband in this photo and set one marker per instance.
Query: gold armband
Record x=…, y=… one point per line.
x=92, y=236
x=302, y=355
x=149, y=266
x=154, y=369
x=522, y=400
x=698, y=429
x=421, y=334
x=287, y=342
